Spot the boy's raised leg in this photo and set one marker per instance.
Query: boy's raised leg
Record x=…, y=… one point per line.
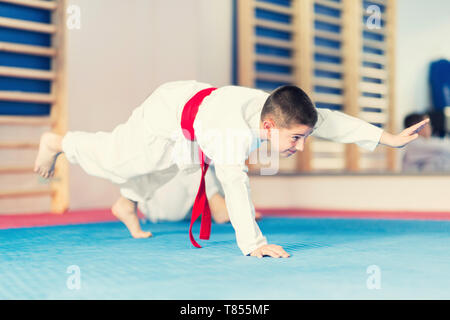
x=50, y=146
x=126, y=211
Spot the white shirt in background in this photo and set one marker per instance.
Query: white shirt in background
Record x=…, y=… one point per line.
x=427, y=155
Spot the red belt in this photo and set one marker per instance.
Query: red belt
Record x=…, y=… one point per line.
x=201, y=206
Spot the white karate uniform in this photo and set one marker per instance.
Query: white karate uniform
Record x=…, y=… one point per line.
x=427, y=155
x=144, y=153
x=174, y=200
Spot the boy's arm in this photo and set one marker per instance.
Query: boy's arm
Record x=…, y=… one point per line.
x=235, y=183
x=340, y=127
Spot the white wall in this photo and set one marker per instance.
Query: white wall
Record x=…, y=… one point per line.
x=123, y=51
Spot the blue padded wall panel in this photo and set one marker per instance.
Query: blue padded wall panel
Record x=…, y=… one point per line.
x=23, y=109
x=15, y=11
x=284, y=3
x=270, y=67
x=26, y=85
x=272, y=16
x=271, y=33
x=18, y=60
x=9, y=59
x=272, y=50
x=25, y=37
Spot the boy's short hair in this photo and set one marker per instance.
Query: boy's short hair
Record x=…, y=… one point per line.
x=289, y=105
x=412, y=119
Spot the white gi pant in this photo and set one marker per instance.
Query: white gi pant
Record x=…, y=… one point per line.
x=174, y=200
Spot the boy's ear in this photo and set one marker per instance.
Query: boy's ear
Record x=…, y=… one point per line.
x=268, y=124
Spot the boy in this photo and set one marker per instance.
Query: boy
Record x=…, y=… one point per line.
x=427, y=153
x=152, y=141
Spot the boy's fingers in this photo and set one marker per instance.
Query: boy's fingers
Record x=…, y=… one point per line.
x=280, y=251
x=256, y=254
x=271, y=253
x=418, y=126
x=272, y=250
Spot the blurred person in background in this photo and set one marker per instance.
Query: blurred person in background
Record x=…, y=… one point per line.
x=427, y=153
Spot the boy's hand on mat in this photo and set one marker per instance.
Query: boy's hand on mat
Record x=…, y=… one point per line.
x=271, y=250
x=403, y=138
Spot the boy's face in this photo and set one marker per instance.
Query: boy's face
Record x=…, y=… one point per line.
x=290, y=140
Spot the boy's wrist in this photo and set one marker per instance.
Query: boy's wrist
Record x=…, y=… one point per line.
x=386, y=139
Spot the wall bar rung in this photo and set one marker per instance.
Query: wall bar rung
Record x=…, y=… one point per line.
x=19, y=145
x=26, y=97
x=274, y=8
x=380, y=31
x=331, y=4
x=374, y=44
x=328, y=66
x=328, y=51
x=374, y=73
x=274, y=60
x=274, y=77
x=27, y=121
x=273, y=25
x=16, y=170
x=274, y=42
x=380, y=2
x=380, y=103
x=25, y=193
x=328, y=35
x=328, y=98
x=374, y=58
x=49, y=5
x=373, y=88
x=326, y=82
x=27, y=73
x=27, y=49
x=27, y=25
x=327, y=19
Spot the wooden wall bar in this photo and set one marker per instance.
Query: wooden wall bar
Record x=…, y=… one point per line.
x=59, y=112
x=26, y=125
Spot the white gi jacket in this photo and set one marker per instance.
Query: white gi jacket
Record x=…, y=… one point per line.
x=146, y=152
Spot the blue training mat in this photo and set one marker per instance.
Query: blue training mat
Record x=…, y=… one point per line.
x=329, y=260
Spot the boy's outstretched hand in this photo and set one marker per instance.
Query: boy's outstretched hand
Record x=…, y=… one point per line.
x=403, y=138
x=271, y=250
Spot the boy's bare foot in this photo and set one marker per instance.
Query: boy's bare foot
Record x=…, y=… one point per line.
x=125, y=211
x=49, y=148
